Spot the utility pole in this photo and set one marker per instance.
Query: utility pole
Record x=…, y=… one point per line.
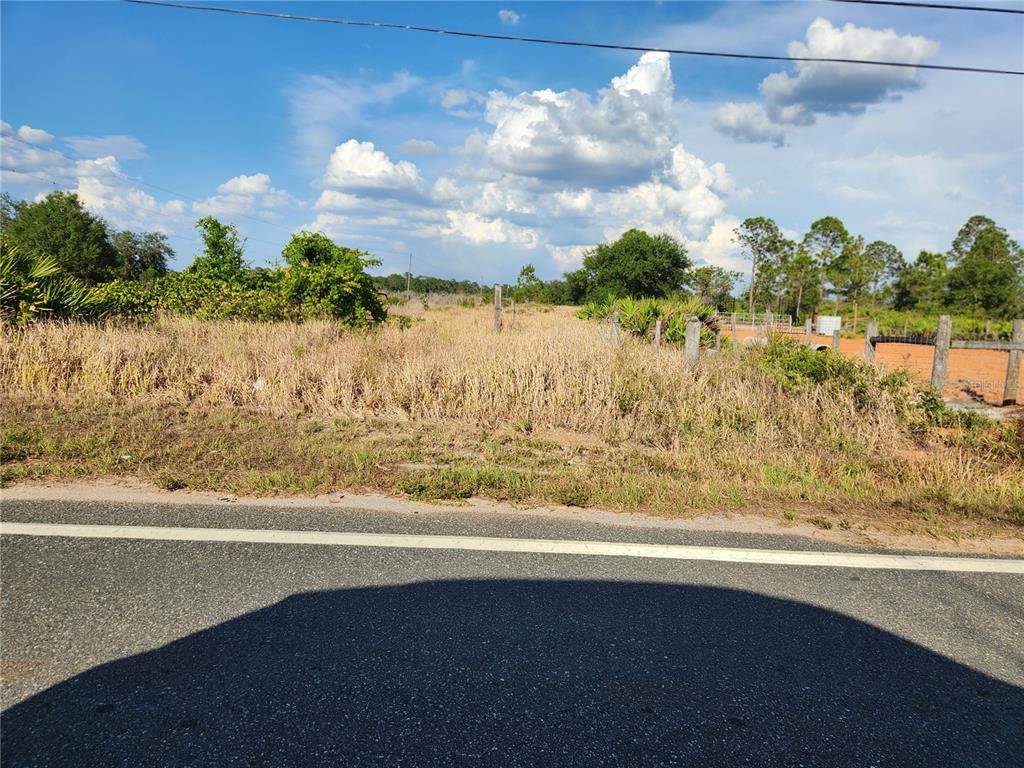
x=408, y=280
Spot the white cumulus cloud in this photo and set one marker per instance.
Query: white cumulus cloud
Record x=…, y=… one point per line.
x=508, y=17
x=245, y=195
x=34, y=135
x=566, y=135
x=826, y=88
x=359, y=166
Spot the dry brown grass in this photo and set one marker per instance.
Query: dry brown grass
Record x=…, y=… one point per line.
x=548, y=408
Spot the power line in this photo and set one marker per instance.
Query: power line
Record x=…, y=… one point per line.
x=942, y=6
x=64, y=185
x=573, y=43
x=139, y=181
x=68, y=187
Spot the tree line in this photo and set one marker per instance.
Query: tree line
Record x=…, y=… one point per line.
x=981, y=274
x=59, y=260
x=54, y=252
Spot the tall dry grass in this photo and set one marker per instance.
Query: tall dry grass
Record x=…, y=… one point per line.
x=549, y=370
x=725, y=431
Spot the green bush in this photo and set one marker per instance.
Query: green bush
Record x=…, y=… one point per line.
x=255, y=295
x=797, y=367
x=127, y=299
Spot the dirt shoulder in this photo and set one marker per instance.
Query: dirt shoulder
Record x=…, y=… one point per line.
x=133, y=491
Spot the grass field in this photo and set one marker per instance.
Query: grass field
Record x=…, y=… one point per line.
x=547, y=412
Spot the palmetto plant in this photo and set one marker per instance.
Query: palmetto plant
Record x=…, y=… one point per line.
x=638, y=316
x=33, y=286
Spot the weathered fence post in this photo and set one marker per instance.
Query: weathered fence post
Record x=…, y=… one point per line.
x=808, y=335
x=718, y=341
x=940, y=360
x=1011, y=389
x=734, y=339
x=869, y=345
x=513, y=320
x=692, y=349
x=497, y=307
x=657, y=335
x=616, y=338
x=835, y=341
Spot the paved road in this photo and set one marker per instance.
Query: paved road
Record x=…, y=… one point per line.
x=164, y=653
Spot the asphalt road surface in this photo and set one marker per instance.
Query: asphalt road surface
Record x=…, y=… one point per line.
x=180, y=650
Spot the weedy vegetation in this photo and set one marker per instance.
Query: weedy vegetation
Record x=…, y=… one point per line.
x=440, y=406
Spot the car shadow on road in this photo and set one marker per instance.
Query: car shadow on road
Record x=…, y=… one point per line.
x=526, y=673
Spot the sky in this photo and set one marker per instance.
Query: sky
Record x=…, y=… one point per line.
x=480, y=156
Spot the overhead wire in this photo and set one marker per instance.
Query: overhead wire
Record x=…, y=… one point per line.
x=573, y=43
x=939, y=6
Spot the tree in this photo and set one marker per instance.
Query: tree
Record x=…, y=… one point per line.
x=529, y=287
x=59, y=227
x=142, y=256
x=825, y=241
x=888, y=262
x=922, y=284
x=854, y=271
x=988, y=269
x=222, y=257
x=636, y=264
x=713, y=285
x=801, y=274
x=325, y=279
x=763, y=243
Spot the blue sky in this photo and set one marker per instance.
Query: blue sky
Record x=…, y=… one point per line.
x=480, y=156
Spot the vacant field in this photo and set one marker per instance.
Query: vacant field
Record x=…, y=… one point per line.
x=545, y=412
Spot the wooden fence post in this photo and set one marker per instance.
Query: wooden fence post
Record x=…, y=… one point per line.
x=513, y=320
x=718, y=341
x=657, y=335
x=735, y=341
x=616, y=338
x=835, y=341
x=869, y=347
x=808, y=335
x=692, y=349
x=1011, y=389
x=497, y=307
x=940, y=360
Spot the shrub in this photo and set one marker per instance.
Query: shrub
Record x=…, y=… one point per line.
x=123, y=298
x=254, y=295
x=796, y=367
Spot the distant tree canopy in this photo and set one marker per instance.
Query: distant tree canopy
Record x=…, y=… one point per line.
x=141, y=256
x=988, y=270
x=637, y=264
x=713, y=285
x=983, y=273
x=395, y=283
